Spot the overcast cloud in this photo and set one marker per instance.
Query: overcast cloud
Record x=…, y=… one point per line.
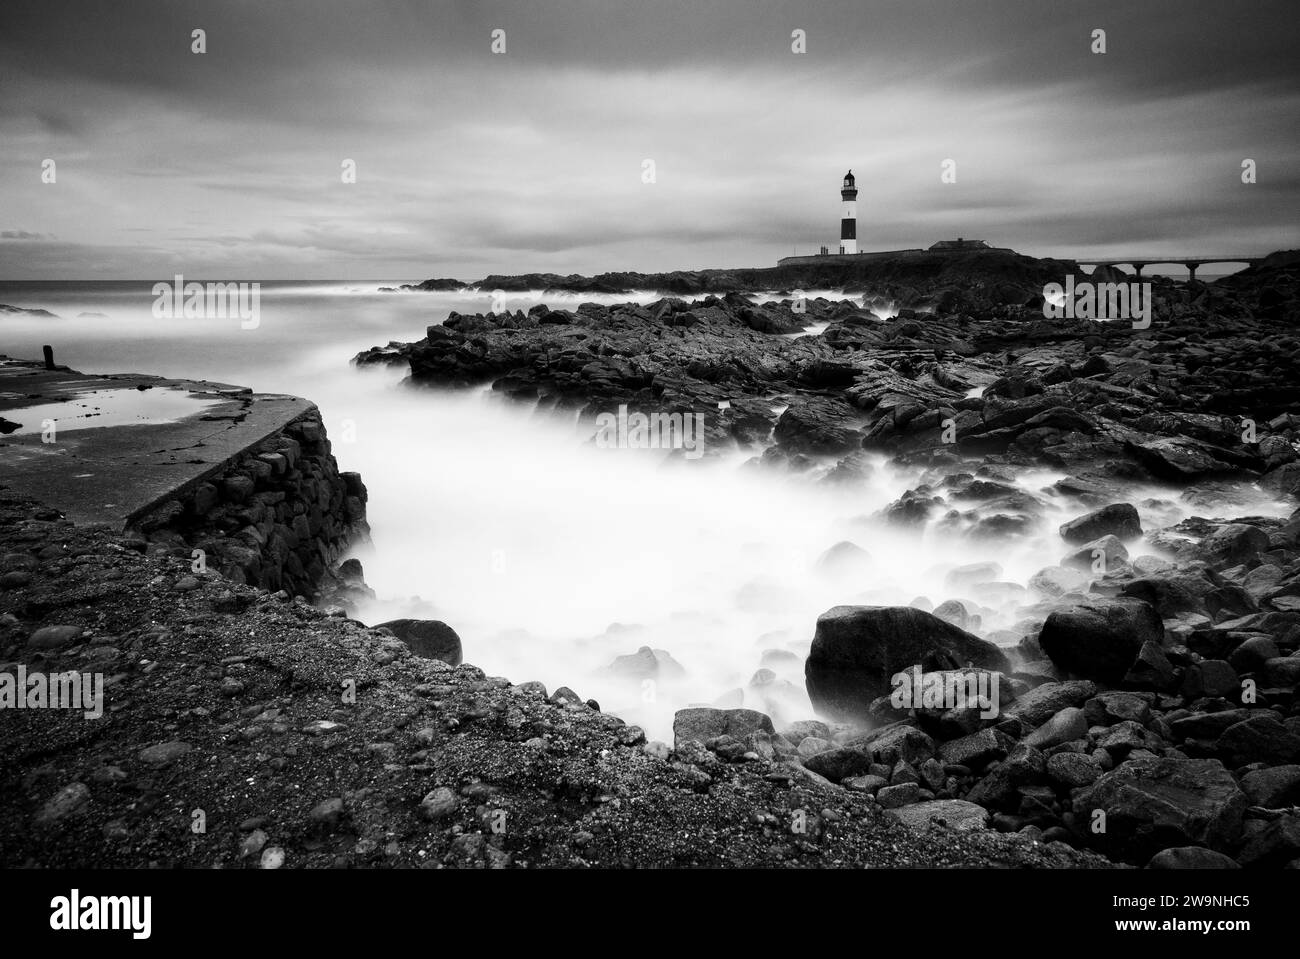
x=227, y=164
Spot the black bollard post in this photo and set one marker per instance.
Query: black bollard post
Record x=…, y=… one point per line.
x=49, y=357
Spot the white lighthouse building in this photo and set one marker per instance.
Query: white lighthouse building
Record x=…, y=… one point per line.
x=849, y=216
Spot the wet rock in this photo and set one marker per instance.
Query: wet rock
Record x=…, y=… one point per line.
x=977, y=750
x=840, y=763
x=811, y=746
x=1253, y=654
x=1000, y=788
x=1274, y=846
x=1073, y=770
x=1151, y=669
x=1233, y=544
x=866, y=784
x=647, y=663
x=845, y=559
x=1099, y=556
x=798, y=731
x=857, y=649
x=898, y=742
x=1109, y=708
x=904, y=794
x=973, y=574
x=1262, y=738
x=818, y=425
x=1100, y=640
x=1210, y=677
x=1043, y=702
x=1181, y=459
x=1067, y=725
x=1273, y=787
x=1118, y=519
x=701, y=723
x=955, y=814
x=1283, y=671
x=427, y=638
x=1151, y=804
x=1191, y=857
x=1054, y=581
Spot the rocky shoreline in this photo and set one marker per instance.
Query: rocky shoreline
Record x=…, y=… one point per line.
x=1144, y=706
x=1148, y=706
x=245, y=729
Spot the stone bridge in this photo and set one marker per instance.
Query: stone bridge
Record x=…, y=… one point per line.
x=1190, y=263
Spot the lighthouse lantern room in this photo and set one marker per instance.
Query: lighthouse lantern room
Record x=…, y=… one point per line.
x=849, y=216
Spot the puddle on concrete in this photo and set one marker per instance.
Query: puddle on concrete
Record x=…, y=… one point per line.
x=94, y=409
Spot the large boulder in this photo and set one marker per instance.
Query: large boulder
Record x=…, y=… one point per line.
x=897, y=742
x=840, y=763
x=818, y=425
x=1101, y=639
x=427, y=638
x=1262, y=738
x=1174, y=591
x=1274, y=846
x=1000, y=788
x=1118, y=519
x=702, y=723
x=1233, y=544
x=1154, y=803
x=857, y=649
x=1273, y=787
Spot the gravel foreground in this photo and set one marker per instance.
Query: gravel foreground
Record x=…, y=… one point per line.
x=243, y=729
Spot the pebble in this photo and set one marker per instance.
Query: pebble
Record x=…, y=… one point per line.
x=68, y=801
x=327, y=812
x=164, y=753
x=439, y=803
x=272, y=858
x=253, y=844
x=55, y=637
x=323, y=726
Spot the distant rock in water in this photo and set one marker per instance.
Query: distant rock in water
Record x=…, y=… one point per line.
x=427, y=638
x=25, y=311
x=646, y=663
x=435, y=284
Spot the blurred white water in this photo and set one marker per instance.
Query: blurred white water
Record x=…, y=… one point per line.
x=548, y=555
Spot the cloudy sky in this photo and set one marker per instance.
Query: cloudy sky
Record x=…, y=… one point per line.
x=229, y=164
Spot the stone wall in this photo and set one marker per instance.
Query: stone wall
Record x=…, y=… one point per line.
x=279, y=515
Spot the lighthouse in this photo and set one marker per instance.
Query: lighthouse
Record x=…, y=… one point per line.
x=849, y=216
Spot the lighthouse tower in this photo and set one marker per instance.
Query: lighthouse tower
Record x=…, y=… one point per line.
x=849, y=217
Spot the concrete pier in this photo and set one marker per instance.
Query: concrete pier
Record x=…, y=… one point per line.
x=113, y=474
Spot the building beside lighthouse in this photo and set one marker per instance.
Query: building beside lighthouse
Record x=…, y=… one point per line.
x=851, y=253
x=849, y=215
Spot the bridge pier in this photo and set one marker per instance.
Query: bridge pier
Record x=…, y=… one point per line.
x=1191, y=273
x=1137, y=269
